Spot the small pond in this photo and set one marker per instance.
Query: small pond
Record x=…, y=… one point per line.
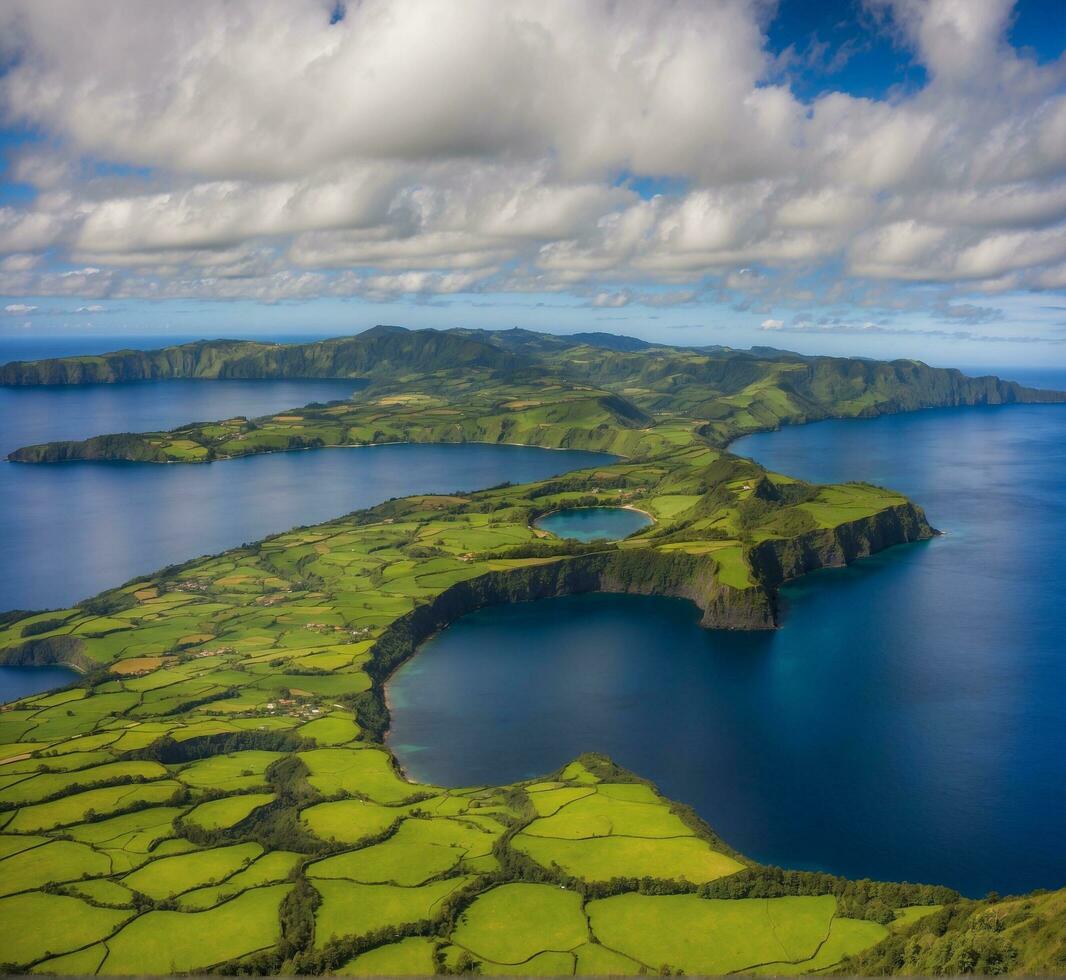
x=593, y=523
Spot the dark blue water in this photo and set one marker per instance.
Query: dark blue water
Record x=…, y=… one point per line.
x=594, y=523
x=68, y=531
x=21, y=682
x=905, y=723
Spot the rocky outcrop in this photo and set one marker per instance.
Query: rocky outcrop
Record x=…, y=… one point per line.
x=777, y=560
x=637, y=572
x=648, y=572
x=125, y=447
x=48, y=651
x=380, y=351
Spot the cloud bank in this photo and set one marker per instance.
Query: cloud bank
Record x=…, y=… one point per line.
x=274, y=150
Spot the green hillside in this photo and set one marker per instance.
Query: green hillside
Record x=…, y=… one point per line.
x=512, y=386
x=215, y=794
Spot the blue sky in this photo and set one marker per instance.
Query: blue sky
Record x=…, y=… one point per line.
x=874, y=177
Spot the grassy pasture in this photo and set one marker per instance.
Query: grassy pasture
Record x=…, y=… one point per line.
x=712, y=936
x=604, y=858
x=57, y=861
x=512, y=923
x=351, y=909
x=173, y=875
x=596, y=960
x=271, y=868
x=35, y=788
x=409, y=957
x=237, y=770
x=349, y=821
x=367, y=772
x=230, y=810
x=168, y=942
x=72, y=809
x=599, y=815
x=334, y=729
x=34, y=926
x=417, y=851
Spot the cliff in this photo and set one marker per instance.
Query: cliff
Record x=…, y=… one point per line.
x=377, y=352
x=777, y=560
x=647, y=572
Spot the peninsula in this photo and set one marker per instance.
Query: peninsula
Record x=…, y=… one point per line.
x=215, y=795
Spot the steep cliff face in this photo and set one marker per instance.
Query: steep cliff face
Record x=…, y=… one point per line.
x=125, y=447
x=776, y=561
x=47, y=651
x=646, y=572
x=379, y=351
x=637, y=572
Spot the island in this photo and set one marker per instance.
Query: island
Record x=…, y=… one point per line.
x=215, y=794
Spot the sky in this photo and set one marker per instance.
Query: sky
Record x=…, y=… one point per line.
x=881, y=178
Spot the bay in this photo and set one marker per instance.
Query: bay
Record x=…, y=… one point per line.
x=70, y=530
x=905, y=723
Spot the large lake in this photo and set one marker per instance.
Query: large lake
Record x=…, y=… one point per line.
x=906, y=723
x=69, y=530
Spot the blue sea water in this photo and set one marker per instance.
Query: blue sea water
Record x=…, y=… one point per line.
x=21, y=682
x=593, y=523
x=69, y=530
x=905, y=723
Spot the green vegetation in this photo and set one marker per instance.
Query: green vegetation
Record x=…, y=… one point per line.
x=213, y=794
x=459, y=386
x=512, y=923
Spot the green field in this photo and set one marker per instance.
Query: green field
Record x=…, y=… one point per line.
x=215, y=794
x=512, y=923
x=717, y=936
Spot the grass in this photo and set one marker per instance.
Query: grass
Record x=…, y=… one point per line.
x=271, y=868
x=592, y=960
x=409, y=957
x=417, y=851
x=218, y=814
x=351, y=909
x=368, y=772
x=35, y=926
x=349, y=821
x=512, y=923
x=604, y=858
x=41, y=787
x=72, y=809
x=237, y=770
x=57, y=861
x=335, y=729
x=169, y=942
x=599, y=815
x=712, y=936
x=170, y=876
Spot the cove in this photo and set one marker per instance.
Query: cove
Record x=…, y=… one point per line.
x=905, y=723
x=593, y=523
x=70, y=530
x=21, y=682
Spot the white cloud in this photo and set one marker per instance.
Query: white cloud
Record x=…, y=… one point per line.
x=18, y=309
x=416, y=148
x=772, y=325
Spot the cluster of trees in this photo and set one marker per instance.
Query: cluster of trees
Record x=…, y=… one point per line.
x=965, y=938
x=865, y=899
x=169, y=751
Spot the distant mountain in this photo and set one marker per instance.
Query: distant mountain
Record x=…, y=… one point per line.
x=733, y=391
x=380, y=350
x=610, y=341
